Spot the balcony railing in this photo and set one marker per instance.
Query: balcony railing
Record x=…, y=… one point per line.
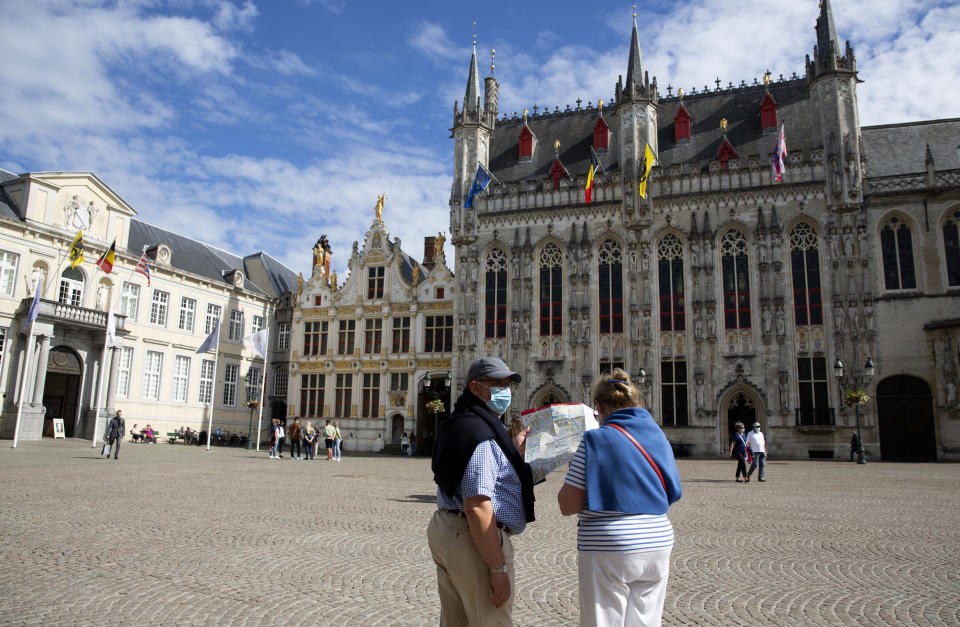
x=53, y=311
x=816, y=417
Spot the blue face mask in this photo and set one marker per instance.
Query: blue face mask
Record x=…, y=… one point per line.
x=499, y=400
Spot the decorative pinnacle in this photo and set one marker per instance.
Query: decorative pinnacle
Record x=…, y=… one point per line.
x=680, y=92
x=766, y=79
x=492, y=54
x=634, y=10
x=525, y=112
x=474, y=35
x=556, y=146
x=723, y=125
x=600, y=103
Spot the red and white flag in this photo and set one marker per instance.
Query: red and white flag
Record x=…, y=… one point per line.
x=143, y=268
x=780, y=157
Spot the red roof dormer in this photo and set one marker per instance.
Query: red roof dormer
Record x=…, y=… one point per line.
x=681, y=124
x=768, y=113
x=527, y=142
x=726, y=152
x=557, y=171
x=601, y=134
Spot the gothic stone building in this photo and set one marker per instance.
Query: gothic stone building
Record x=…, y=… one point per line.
x=736, y=294
x=152, y=372
x=372, y=351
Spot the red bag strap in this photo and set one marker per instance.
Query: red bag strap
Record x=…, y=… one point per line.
x=642, y=451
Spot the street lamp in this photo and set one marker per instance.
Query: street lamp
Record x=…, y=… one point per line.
x=856, y=397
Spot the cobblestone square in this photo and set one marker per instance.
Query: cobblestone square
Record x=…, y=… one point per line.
x=170, y=534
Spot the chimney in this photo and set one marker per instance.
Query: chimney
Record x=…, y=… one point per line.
x=429, y=250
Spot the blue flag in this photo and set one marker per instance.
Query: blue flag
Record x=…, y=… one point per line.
x=34, y=308
x=211, y=340
x=480, y=183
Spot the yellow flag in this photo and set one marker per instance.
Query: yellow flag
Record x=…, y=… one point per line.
x=648, y=160
x=76, y=250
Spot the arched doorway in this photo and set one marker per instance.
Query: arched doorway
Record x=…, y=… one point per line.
x=549, y=395
x=740, y=408
x=396, y=429
x=905, y=419
x=61, y=391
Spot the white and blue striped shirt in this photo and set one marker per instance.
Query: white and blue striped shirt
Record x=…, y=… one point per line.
x=491, y=474
x=615, y=531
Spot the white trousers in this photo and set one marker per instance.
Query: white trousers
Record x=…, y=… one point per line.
x=622, y=588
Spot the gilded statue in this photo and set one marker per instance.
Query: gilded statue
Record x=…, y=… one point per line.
x=440, y=241
x=416, y=274
x=381, y=199
x=333, y=279
x=300, y=284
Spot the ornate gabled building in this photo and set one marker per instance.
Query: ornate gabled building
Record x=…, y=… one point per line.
x=372, y=351
x=152, y=371
x=736, y=294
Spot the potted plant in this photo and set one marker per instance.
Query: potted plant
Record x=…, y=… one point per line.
x=855, y=398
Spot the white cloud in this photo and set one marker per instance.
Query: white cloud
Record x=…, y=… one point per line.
x=431, y=40
x=281, y=61
x=229, y=16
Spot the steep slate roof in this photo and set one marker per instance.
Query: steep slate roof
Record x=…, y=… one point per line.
x=8, y=208
x=407, y=265
x=893, y=149
x=205, y=260
x=741, y=107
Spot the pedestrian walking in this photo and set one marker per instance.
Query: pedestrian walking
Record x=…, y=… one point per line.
x=281, y=434
x=854, y=445
x=274, y=437
x=404, y=444
x=484, y=496
x=337, y=441
x=758, y=448
x=413, y=444
x=115, y=432
x=329, y=433
x=295, y=438
x=621, y=481
x=738, y=447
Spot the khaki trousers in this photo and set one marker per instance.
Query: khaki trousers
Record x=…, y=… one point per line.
x=463, y=579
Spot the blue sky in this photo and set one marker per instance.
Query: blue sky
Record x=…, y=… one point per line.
x=261, y=125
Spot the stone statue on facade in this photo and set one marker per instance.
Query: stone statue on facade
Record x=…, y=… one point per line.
x=834, y=243
x=515, y=331
x=35, y=277
x=781, y=323
x=848, y=239
x=767, y=319
x=854, y=316
x=839, y=318
x=699, y=392
x=868, y=316
x=526, y=331
x=102, y=298
x=698, y=325
x=950, y=394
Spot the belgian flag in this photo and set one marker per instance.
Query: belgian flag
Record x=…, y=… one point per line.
x=105, y=262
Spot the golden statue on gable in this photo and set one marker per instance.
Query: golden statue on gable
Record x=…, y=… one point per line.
x=381, y=199
x=439, y=242
x=416, y=274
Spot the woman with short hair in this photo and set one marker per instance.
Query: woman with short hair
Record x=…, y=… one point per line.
x=621, y=481
x=738, y=447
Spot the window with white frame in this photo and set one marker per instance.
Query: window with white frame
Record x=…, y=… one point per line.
x=152, y=365
x=71, y=287
x=158, y=308
x=213, y=315
x=280, y=382
x=254, y=380
x=130, y=300
x=188, y=312
x=230, y=372
x=235, y=330
x=123, y=371
x=256, y=324
x=283, y=336
x=206, y=381
x=181, y=377
x=8, y=272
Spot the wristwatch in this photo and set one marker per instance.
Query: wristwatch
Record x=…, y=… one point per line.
x=502, y=569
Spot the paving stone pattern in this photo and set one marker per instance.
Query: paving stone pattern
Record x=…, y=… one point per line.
x=170, y=534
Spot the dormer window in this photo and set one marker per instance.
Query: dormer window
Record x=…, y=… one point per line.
x=681, y=125
x=726, y=153
x=601, y=135
x=768, y=113
x=557, y=172
x=528, y=142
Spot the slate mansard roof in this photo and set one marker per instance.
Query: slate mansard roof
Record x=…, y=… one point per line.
x=894, y=149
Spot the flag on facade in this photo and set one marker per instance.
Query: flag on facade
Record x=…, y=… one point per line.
x=34, y=309
x=594, y=167
x=105, y=262
x=211, y=341
x=258, y=342
x=76, y=250
x=143, y=268
x=645, y=167
x=111, y=327
x=480, y=182
x=780, y=157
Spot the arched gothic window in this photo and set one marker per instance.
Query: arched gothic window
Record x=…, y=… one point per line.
x=611, y=287
x=736, y=280
x=670, y=267
x=71, y=287
x=551, y=290
x=805, y=266
x=495, y=293
x=896, y=246
x=951, y=248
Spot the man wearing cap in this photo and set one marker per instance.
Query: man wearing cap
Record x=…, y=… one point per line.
x=758, y=447
x=484, y=496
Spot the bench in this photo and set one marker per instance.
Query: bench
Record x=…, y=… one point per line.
x=172, y=437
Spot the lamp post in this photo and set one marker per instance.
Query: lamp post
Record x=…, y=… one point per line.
x=856, y=397
x=253, y=409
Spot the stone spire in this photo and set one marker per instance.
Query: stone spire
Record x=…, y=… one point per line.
x=635, y=62
x=828, y=43
x=471, y=97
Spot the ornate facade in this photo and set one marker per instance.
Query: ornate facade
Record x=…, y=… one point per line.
x=152, y=371
x=372, y=351
x=734, y=292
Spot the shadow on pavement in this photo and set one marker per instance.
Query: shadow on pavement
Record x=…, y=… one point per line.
x=417, y=498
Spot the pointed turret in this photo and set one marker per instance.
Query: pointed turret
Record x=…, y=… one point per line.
x=471, y=98
x=828, y=43
x=635, y=62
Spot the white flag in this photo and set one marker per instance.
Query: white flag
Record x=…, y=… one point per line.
x=258, y=342
x=111, y=328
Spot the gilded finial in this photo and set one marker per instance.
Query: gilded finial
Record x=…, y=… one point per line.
x=723, y=125
x=600, y=103
x=474, y=34
x=492, y=54
x=634, y=11
x=766, y=79
x=525, y=112
x=556, y=145
x=680, y=93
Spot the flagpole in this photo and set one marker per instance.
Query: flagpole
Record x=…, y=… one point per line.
x=263, y=386
x=23, y=383
x=103, y=369
x=213, y=387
